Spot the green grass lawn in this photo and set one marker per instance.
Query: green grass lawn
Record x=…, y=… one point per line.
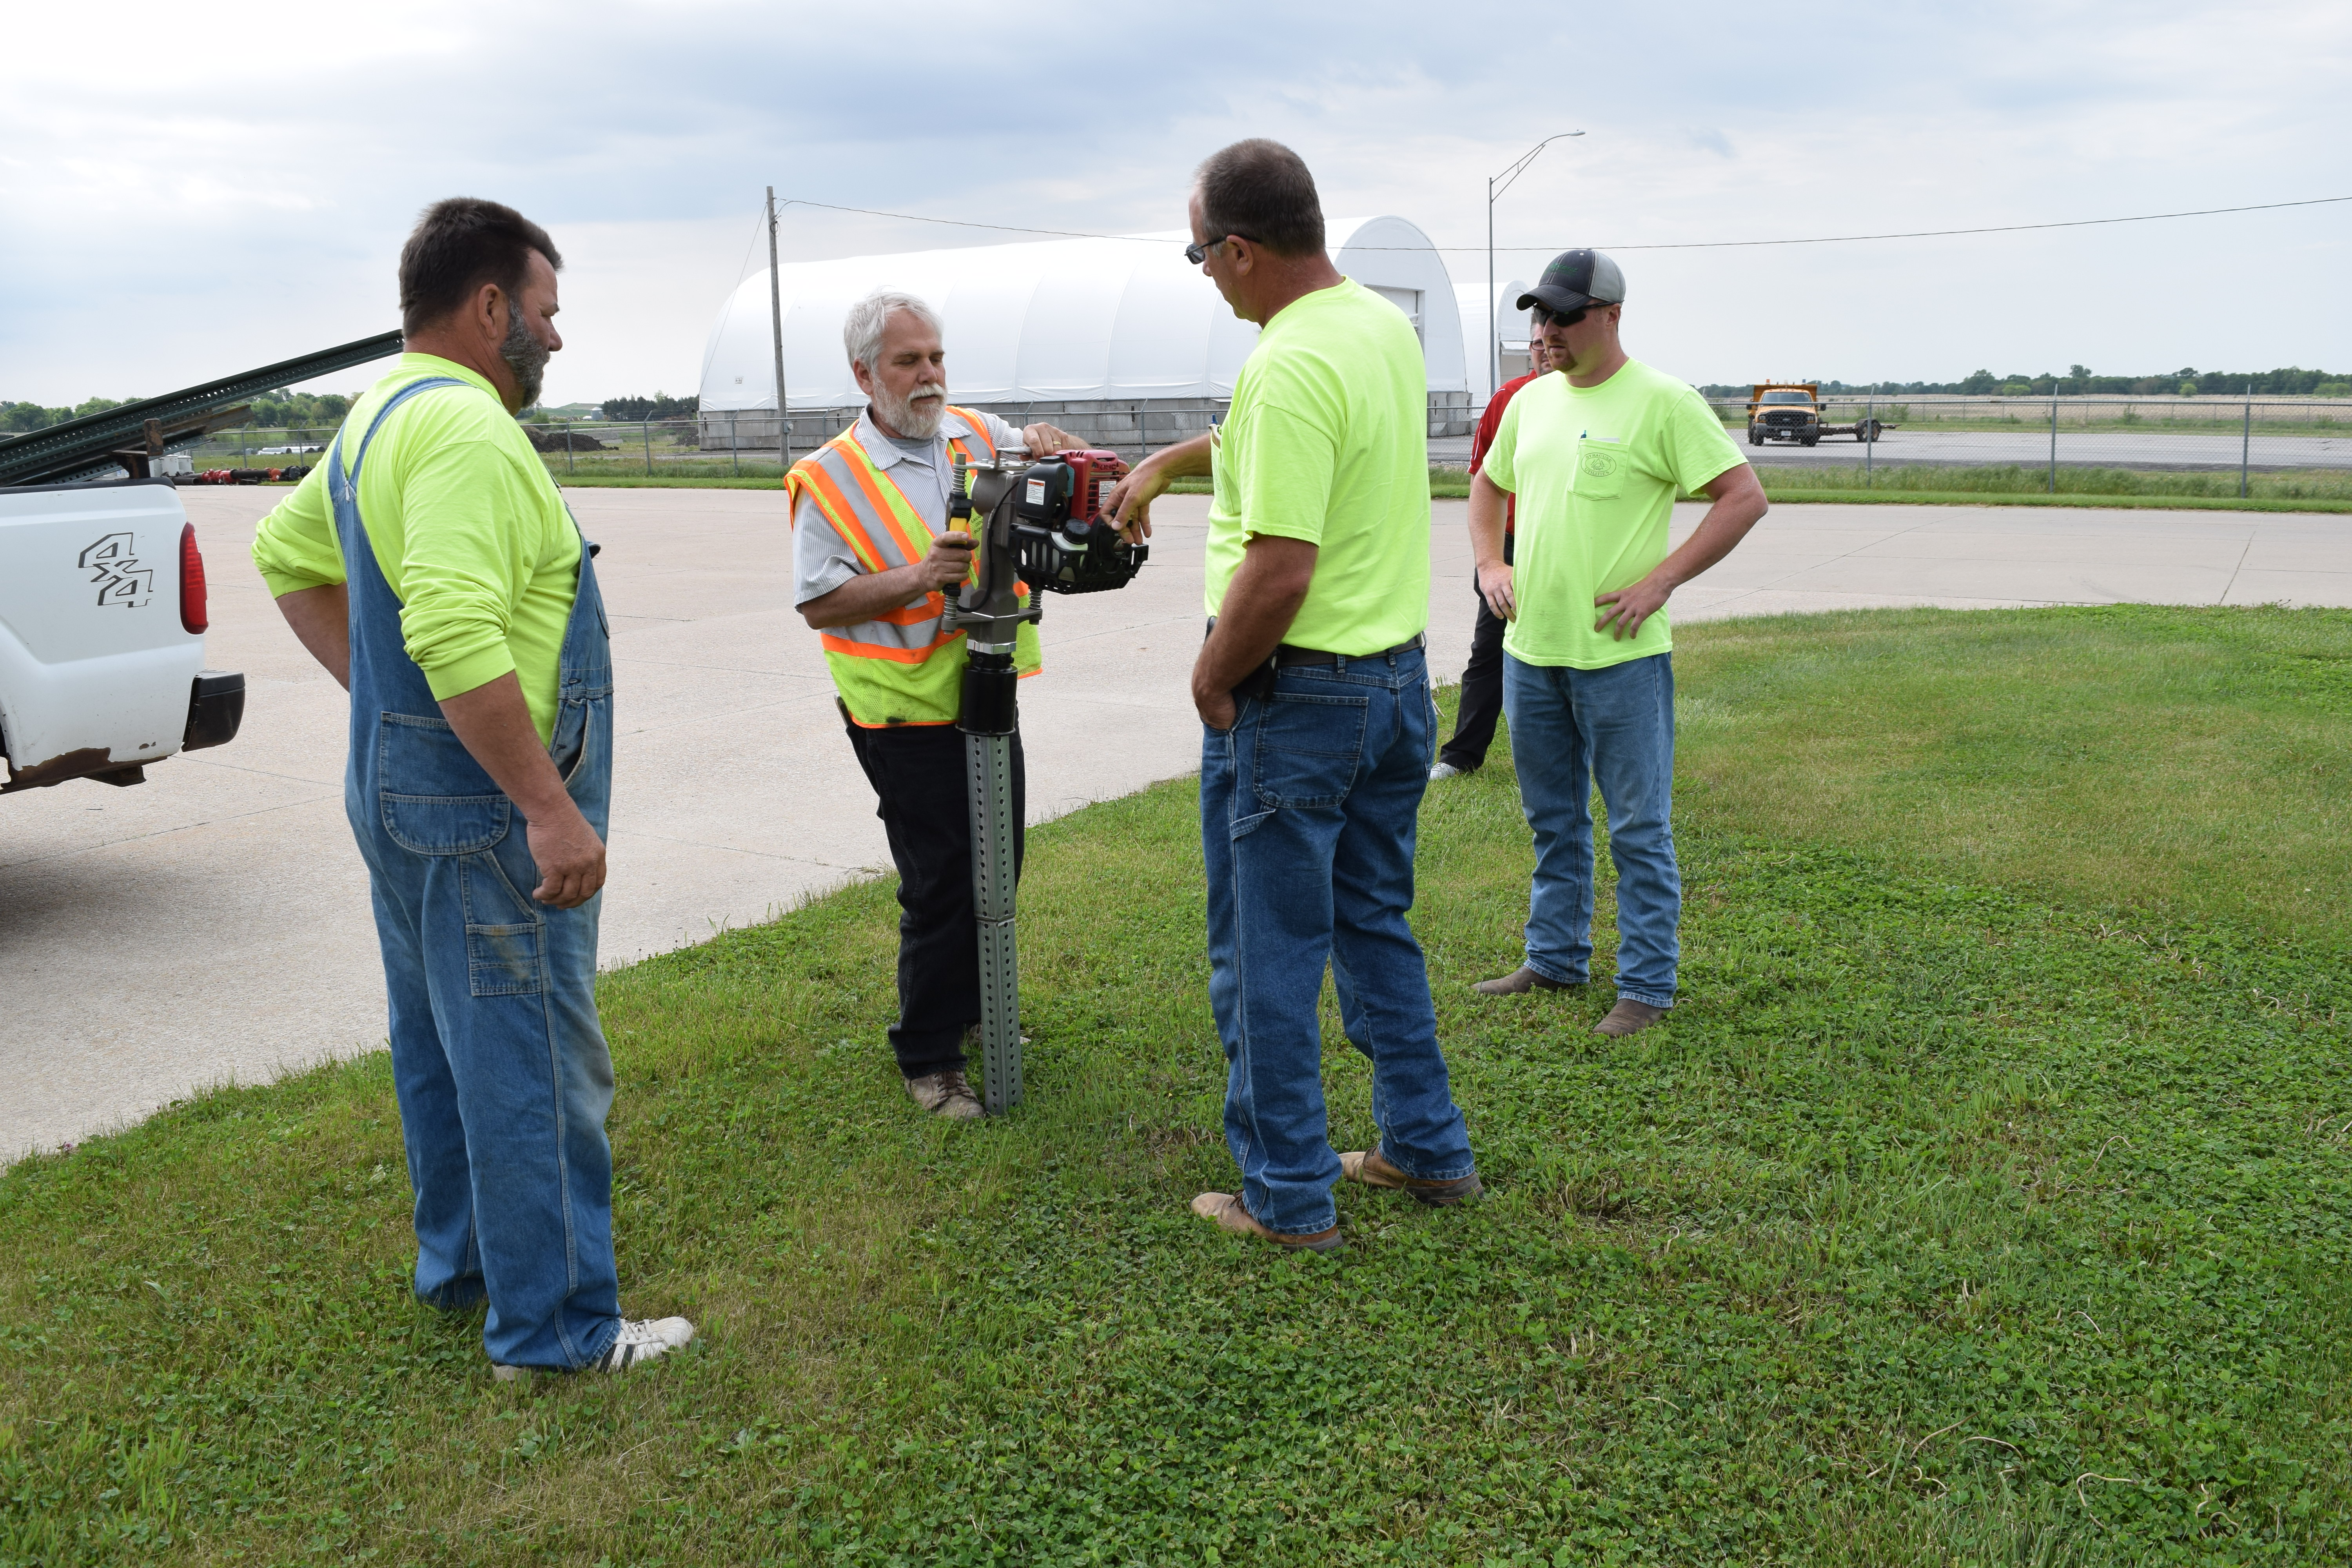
x=2303, y=490
x=1986, y=1200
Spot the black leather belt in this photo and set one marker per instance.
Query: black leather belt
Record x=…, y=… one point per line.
x=1285, y=656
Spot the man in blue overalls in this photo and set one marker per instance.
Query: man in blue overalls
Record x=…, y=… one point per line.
x=432, y=567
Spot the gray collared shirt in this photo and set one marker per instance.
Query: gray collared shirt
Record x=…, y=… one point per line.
x=821, y=561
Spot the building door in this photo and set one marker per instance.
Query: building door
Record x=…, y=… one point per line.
x=1409, y=302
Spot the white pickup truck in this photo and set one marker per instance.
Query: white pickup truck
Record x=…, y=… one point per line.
x=101, y=635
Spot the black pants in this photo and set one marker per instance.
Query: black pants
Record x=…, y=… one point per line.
x=918, y=774
x=1482, y=686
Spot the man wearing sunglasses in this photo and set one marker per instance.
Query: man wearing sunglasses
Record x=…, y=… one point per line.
x=1313, y=692
x=1595, y=458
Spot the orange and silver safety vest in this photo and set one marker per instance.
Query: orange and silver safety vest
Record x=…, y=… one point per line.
x=902, y=666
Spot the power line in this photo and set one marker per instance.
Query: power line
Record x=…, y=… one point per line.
x=1687, y=245
x=960, y=223
x=1939, y=233
x=741, y=272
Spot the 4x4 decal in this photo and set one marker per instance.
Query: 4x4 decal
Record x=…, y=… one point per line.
x=113, y=565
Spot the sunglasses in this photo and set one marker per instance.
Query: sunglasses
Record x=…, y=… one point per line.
x=1197, y=252
x=1543, y=317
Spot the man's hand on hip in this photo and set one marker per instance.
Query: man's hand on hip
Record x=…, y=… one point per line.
x=1623, y=610
x=1739, y=500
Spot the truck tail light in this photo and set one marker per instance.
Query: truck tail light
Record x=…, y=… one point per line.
x=192, y=581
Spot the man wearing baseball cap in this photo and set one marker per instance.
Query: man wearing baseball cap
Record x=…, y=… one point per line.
x=1596, y=457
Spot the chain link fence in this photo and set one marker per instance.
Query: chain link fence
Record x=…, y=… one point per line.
x=2287, y=447
x=2283, y=448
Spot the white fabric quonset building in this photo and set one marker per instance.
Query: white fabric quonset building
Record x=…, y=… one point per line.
x=1120, y=341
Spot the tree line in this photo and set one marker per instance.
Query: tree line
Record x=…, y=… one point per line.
x=2080, y=380
x=276, y=410
x=657, y=406
x=282, y=409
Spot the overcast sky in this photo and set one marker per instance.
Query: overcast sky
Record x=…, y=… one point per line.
x=188, y=196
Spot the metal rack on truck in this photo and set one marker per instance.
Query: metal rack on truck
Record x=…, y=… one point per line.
x=131, y=437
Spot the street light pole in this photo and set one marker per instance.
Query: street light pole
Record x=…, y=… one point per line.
x=1496, y=185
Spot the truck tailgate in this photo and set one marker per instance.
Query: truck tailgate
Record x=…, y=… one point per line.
x=95, y=665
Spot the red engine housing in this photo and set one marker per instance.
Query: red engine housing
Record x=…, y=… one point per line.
x=1095, y=474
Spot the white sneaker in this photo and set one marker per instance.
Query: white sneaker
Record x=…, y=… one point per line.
x=1444, y=771
x=639, y=1341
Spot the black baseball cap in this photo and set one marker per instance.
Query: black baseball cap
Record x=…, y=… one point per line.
x=1574, y=279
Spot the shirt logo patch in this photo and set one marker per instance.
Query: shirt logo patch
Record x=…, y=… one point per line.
x=1599, y=465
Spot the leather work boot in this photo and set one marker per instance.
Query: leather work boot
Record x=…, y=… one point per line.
x=1629, y=1018
x=1225, y=1209
x=1518, y=983
x=1367, y=1166
x=946, y=1094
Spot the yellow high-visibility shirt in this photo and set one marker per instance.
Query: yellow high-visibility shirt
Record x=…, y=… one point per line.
x=468, y=530
x=1328, y=441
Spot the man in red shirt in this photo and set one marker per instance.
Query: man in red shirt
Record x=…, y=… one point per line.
x=1482, y=677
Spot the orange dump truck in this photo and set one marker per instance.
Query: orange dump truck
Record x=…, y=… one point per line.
x=1792, y=411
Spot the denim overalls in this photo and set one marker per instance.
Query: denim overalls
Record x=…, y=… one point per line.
x=500, y=1065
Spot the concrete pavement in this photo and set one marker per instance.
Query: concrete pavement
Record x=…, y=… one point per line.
x=211, y=925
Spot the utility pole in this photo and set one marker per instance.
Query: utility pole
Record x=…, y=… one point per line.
x=1870, y=438
x=2053, y=442
x=2246, y=442
x=1496, y=185
x=776, y=326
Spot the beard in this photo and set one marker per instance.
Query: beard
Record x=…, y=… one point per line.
x=525, y=355
x=915, y=417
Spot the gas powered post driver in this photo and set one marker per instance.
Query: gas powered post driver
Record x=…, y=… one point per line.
x=1041, y=522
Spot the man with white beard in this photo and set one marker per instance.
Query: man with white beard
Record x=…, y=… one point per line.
x=873, y=563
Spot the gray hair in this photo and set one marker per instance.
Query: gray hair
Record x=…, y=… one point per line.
x=861, y=329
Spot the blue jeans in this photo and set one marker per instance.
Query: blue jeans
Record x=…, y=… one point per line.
x=1307, y=811
x=498, y=1058
x=1568, y=728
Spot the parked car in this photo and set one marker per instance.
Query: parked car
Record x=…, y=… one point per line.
x=103, y=619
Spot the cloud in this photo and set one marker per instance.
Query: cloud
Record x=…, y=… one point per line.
x=234, y=198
